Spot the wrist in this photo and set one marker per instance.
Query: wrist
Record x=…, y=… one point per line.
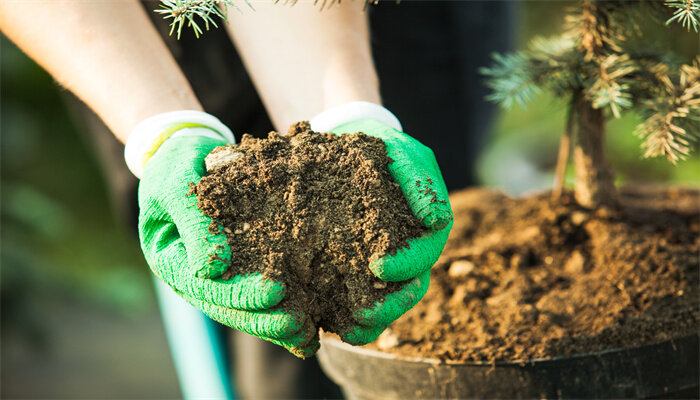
x=147, y=137
x=143, y=104
x=336, y=116
x=348, y=78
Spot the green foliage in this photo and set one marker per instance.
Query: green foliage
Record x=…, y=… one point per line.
x=611, y=84
x=687, y=13
x=596, y=58
x=187, y=12
x=59, y=239
x=511, y=79
x=518, y=77
x=673, y=116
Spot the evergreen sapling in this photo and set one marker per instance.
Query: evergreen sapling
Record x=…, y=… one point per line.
x=603, y=72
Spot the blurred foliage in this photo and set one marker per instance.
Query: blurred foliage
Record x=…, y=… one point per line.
x=522, y=150
x=59, y=238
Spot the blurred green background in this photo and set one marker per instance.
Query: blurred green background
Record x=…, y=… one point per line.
x=78, y=314
x=79, y=317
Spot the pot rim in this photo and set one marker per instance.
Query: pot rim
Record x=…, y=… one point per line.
x=332, y=340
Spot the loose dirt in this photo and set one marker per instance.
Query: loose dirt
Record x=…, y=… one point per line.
x=311, y=210
x=522, y=279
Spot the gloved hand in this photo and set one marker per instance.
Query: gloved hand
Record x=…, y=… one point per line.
x=416, y=171
x=170, y=149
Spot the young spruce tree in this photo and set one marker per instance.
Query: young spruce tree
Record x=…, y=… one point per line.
x=602, y=72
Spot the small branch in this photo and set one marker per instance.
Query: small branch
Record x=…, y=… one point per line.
x=687, y=13
x=187, y=12
x=672, y=119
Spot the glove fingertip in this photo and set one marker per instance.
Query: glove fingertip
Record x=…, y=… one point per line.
x=390, y=268
x=286, y=324
x=306, y=351
x=361, y=335
x=209, y=256
x=377, y=265
x=438, y=216
x=394, y=304
x=406, y=264
x=212, y=269
x=302, y=344
x=250, y=292
x=274, y=293
x=364, y=315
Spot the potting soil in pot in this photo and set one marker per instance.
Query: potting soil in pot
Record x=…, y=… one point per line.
x=523, y=278
x=311, y=210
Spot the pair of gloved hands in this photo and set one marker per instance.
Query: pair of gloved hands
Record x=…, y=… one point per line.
x=167, y=152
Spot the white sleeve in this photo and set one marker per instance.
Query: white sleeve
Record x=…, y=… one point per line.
x=149, y=134
x=350, y=112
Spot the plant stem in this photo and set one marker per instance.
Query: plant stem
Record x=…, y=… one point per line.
x=564, y=150
x=595, y=186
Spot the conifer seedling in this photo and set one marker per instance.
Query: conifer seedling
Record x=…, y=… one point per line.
x=603, y=69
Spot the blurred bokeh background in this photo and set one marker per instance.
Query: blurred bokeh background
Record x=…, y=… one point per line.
x=78, y=314
x=79, y=317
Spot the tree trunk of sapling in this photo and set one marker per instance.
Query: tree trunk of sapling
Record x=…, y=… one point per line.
x=595, y=186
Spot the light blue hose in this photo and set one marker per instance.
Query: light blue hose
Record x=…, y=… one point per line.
x=197, y=350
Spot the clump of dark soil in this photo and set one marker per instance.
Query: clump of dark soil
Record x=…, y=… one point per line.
x=311, y=210
x=521, y=278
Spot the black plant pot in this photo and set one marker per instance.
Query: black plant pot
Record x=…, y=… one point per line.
x=667, y=369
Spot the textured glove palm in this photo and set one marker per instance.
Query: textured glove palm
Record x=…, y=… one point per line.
x=416, y=171
x=182, y=252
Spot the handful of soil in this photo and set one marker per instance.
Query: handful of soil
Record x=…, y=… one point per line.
x=311, y=210
x=522, y=278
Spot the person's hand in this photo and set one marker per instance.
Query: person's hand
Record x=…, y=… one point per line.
x=416, y=171
x=170, y=150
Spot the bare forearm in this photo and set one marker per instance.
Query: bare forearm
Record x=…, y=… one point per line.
x=303, y=60
x=106, y=52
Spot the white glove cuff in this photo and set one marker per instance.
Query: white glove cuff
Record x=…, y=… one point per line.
x=149, y=135
x=350, y=112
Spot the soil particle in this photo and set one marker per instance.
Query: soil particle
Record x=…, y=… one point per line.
x=522, y=279
x=311, y=210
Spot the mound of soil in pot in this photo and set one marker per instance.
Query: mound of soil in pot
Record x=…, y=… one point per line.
x=521, y=278
x=311, y=210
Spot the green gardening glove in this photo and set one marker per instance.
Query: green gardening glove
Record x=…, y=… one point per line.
x=416, y=171
x=175, y=235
